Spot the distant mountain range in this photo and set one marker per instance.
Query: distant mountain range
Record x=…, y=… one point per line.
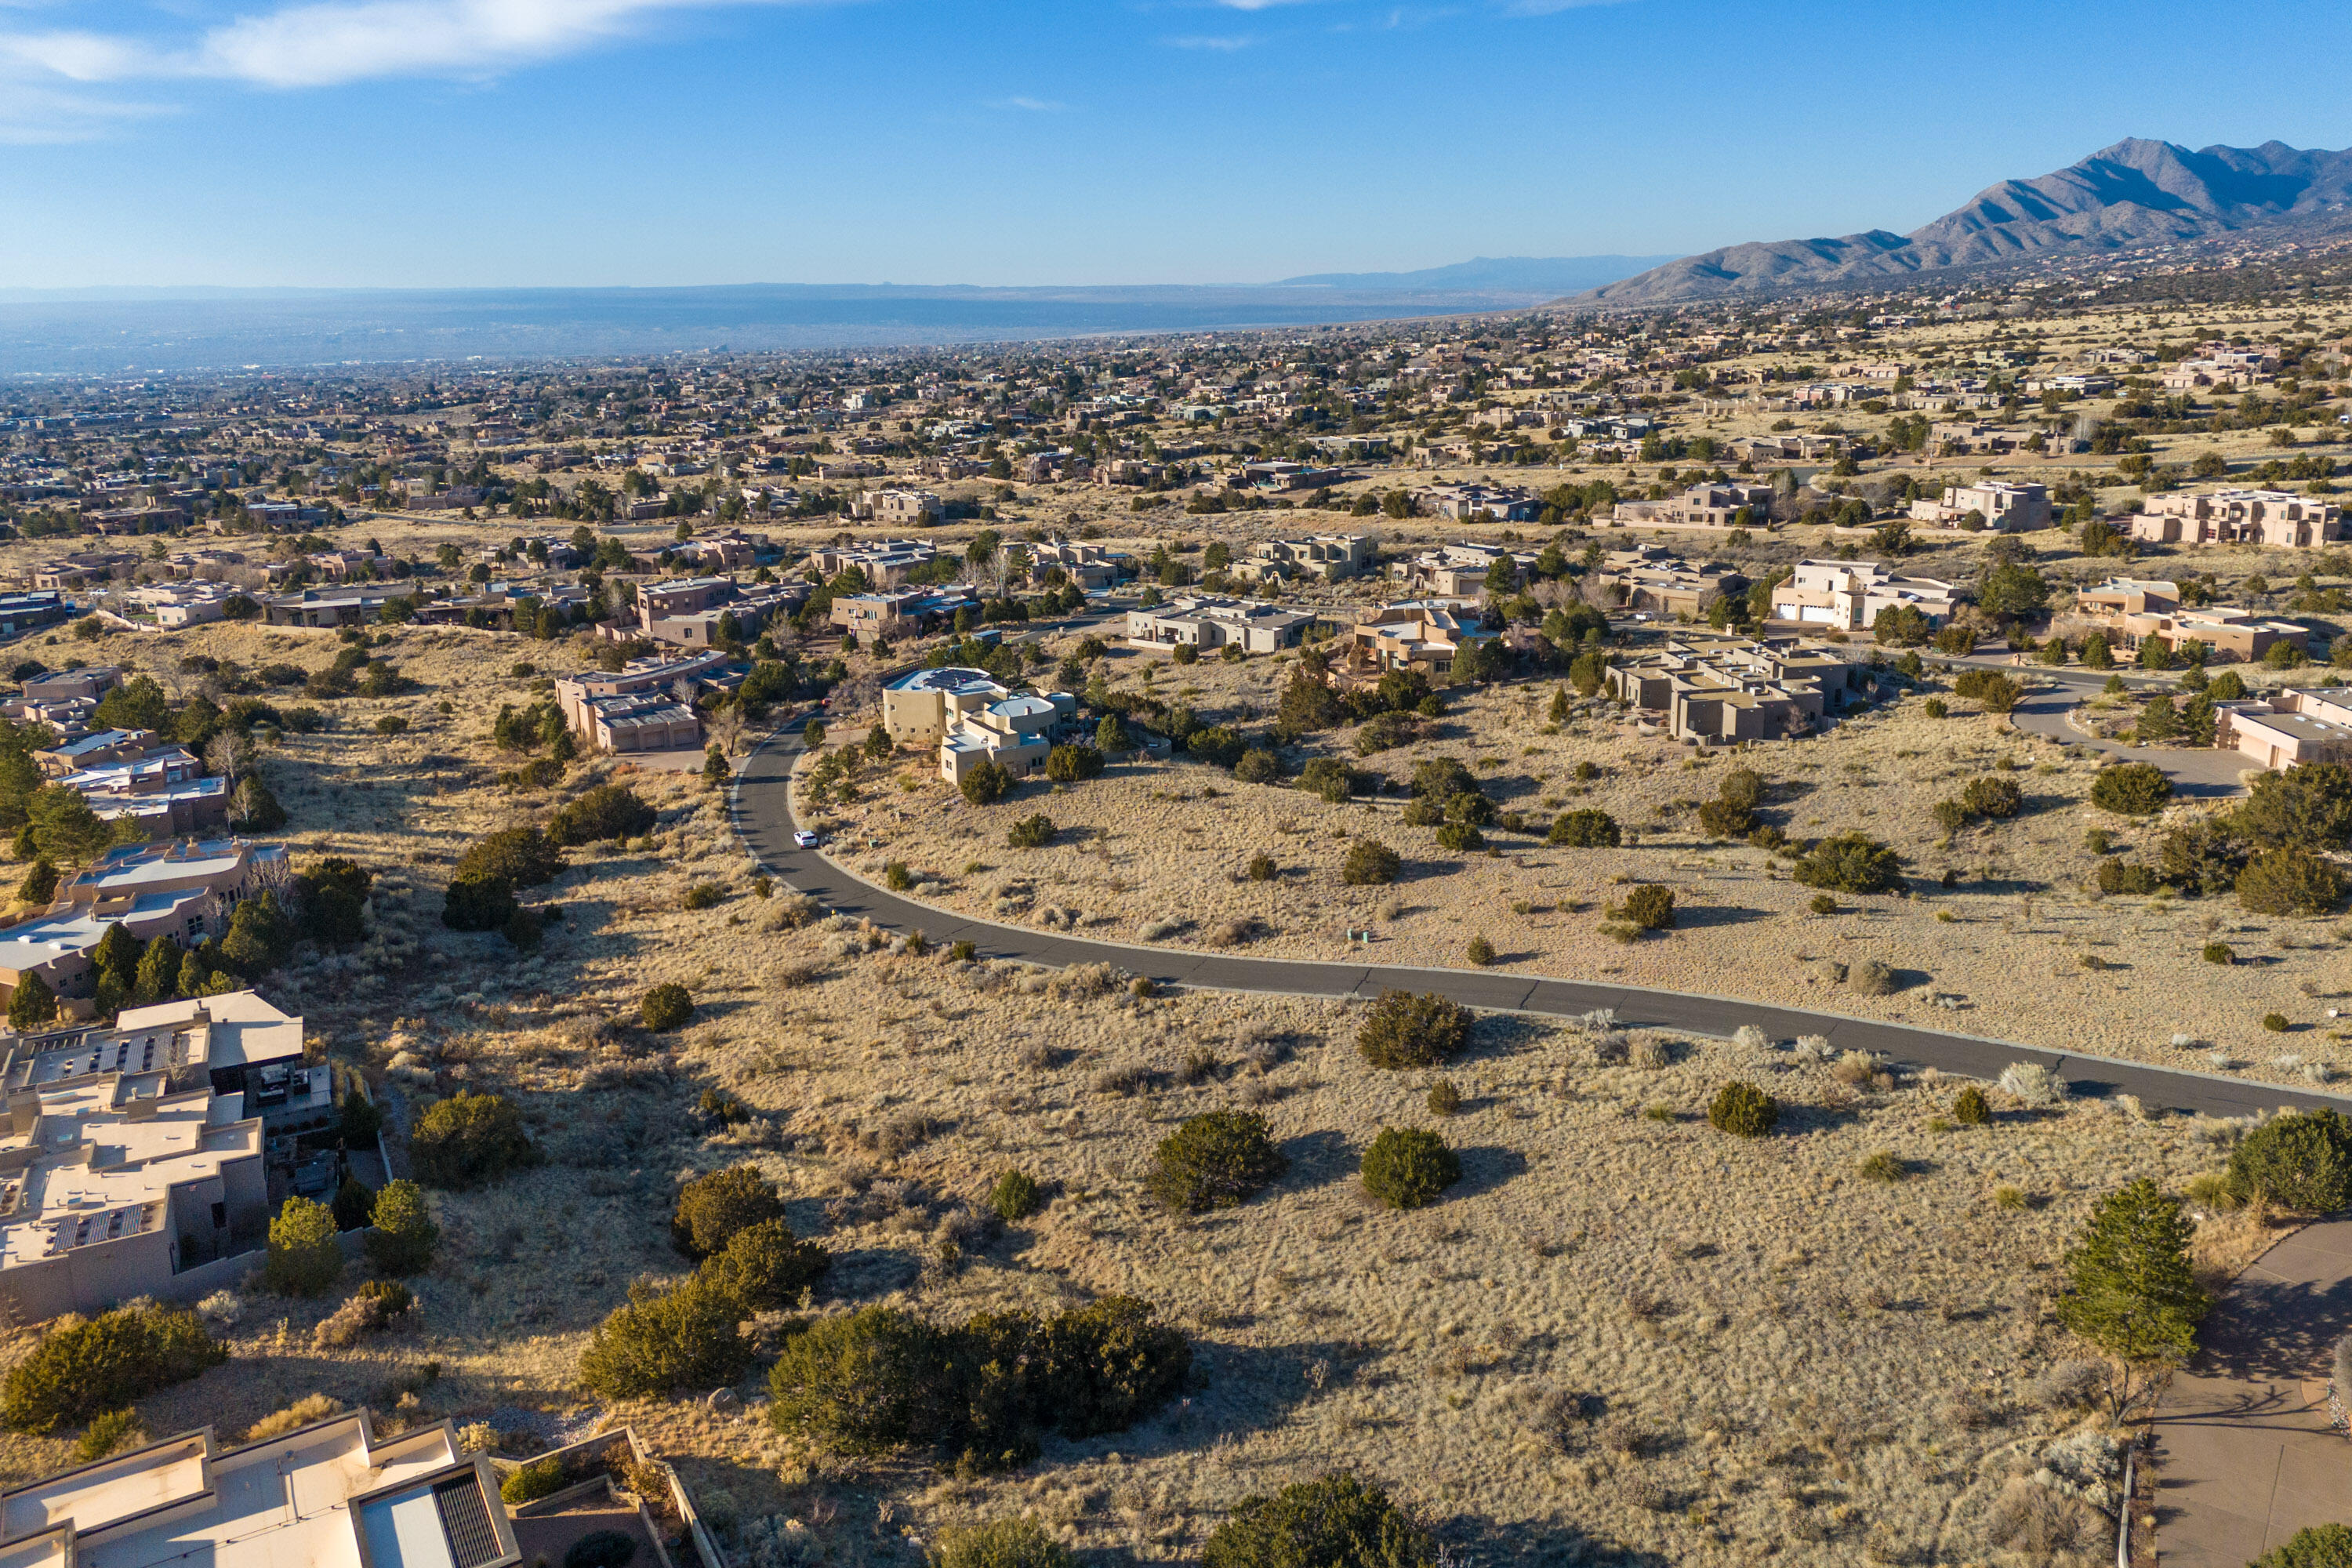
x=2137, y=193
x=1540, y=275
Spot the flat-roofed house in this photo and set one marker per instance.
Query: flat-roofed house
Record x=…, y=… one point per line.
x=1330, y=557
x=1847, y=595
x=1998, y=504
x=329, y=1495
x=1208, y=622
x=971, y=718
x=2229, y=633
x=1729, y=689
x=1413, y=635
x=2274, y=519
x=2289, y=726
x=645, y=705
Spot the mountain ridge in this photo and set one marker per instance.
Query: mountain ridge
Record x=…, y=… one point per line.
x=2135, y=192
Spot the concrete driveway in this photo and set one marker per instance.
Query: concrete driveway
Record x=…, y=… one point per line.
x=2244, y=1454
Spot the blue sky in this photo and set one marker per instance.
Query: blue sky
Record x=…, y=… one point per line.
x=490, y=143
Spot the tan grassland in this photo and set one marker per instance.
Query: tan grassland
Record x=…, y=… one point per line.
x=1621, y=1331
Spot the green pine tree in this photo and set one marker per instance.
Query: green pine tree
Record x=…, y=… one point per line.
x=2130, y=1290
x=32, y=1004
x=159, y=970
x=193, y=974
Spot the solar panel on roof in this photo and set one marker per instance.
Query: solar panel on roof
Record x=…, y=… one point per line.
x=465, y=1521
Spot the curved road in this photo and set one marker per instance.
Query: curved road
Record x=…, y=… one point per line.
x=759, y=803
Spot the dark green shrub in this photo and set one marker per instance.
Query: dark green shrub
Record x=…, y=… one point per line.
x=1258, y=766
x=1369, y=863
x=765, y=1266
x=600, y=1549
x=2308, y=806
x=1992, y=796
x=78, y=1370
x=1335, y=1522
x=1002, y=1543
x=2131, y=789
x=1743, y=1110
x=2275, y=1022
x=1724, y=819
x=666, y=1342
x=477, y=903
x=468, y=1139
x=1423, y=811
x=1327, y=777
x=1261, y=868
x=1649, y=907
x=667, y=1007
x=1402, y=1031
x=1970, y=1109
x=862, y=1384
x=607, y=812
x=1823, y=904
x=1460, y=838
x=986, y=783
x=1220, y=745
x=2220, y=952
x=540, y=1477
x=353, y=1204
x=404, y=1236
x=2119, y=876
x=1407, y=1168
x=2290, y=882
x=898, y=876
x=1935, y=708
x=1481, y=951
x=703, y=895
x=106, y=1431
x=2313, y=1546
x=1030, y=833
x=713, y=1208
x=304, y=1259
x=519, y=857
x=1073, y=763
x=1016, y=1197
x=1444, y=1100
x=1584, y=830
x=1850, y=863
x=1109, y=1364
x=1218, y=1159
x=2298, y=1161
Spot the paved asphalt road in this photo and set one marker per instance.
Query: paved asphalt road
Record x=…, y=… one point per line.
x=762, y=816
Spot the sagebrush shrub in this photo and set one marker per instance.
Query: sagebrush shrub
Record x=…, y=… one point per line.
x=1743, y=1110
x=1402, y=1031
x=1407, y=1168
x=1016, y=1197
x=667, y=1007
x=1218, y=1159
x=1369, y=863
x=1651, y=906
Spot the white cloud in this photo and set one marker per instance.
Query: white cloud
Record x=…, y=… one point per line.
x=1549, y=7
x=1202, y=41
x=34, y=115
x=1255, y=4
x=336, y=41
x=1030, y=105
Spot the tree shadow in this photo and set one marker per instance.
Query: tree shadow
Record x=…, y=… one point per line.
x=1801, y=1118
x=1478, y=1540
x=869, y=1271
x=1689, y=916
x=1317, y=1160
x=1484, y=1168
x=2277, y=1329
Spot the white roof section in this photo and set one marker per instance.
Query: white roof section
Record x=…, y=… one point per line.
x=953, y=680
x=48, y=937
x=238, y=1028
x=306, y=1500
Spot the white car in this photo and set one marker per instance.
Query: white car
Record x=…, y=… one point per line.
x=804, y=839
